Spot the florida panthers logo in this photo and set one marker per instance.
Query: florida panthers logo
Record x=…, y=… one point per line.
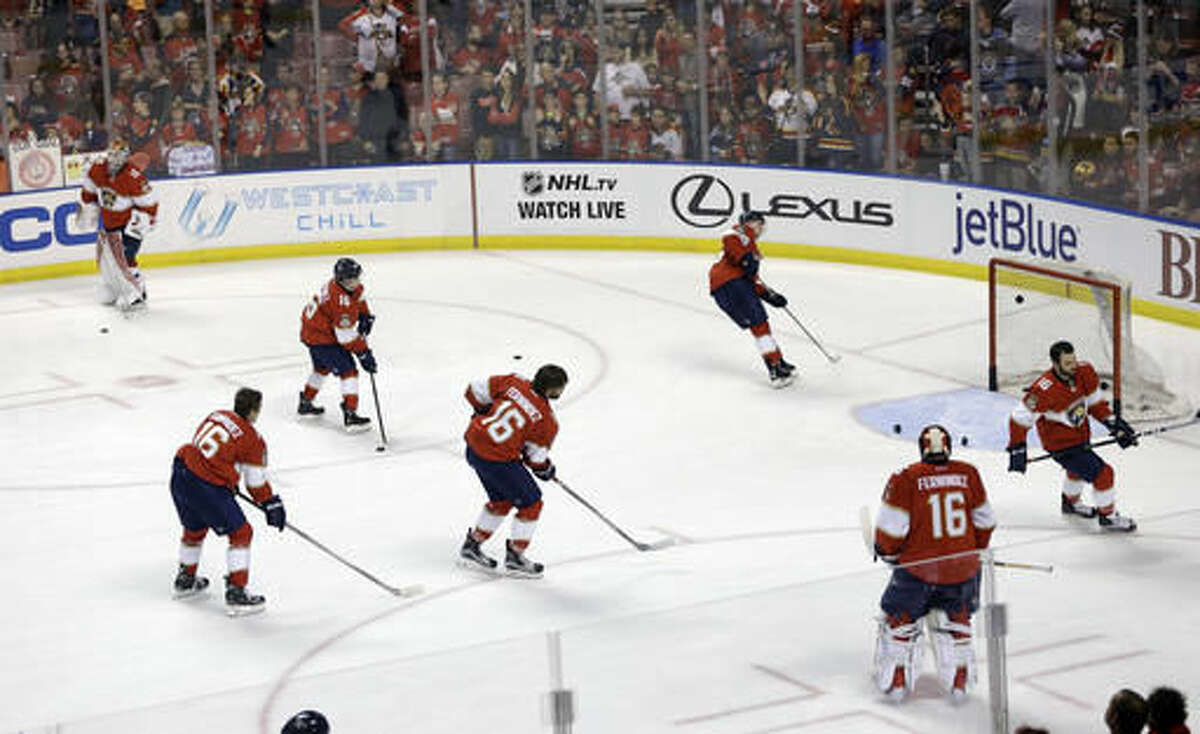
x=1077, y=414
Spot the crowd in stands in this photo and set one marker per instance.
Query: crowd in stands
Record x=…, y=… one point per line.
x=640, y=78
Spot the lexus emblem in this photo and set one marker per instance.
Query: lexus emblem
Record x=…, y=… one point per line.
x=702, y=200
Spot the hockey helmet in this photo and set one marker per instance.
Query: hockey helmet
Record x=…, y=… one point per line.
x=934, y=443
x=750, y=215
x=306, y=722
x=346, y=269
x=118, y=156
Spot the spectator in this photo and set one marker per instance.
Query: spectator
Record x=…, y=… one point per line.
x=447, y=119
x=664, y=136
x=504, y=117
x=291, y=128
x=622, y=80
x=378, y=123
x=583, y=129
x=375, y=28
x=552, y=129
x=177, y=131
x=1126, y=713
x=1167, y=712
x=249, y=126
x=39, y=107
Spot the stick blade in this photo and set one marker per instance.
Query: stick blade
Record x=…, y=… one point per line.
x=656, y=545
x=867, y=526
x=407, y=592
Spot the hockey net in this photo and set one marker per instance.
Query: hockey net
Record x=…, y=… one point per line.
x=1032, y=306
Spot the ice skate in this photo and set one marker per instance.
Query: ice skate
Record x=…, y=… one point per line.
x=1117, y=523
x=780, y=376
x=472, y=556
x=517, y=564
x=306, y=407
x=240, y=603
x=353, y=421
x=786, y=367
x=1077, y=508
x=188, y=584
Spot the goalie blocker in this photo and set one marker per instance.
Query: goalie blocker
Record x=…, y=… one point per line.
x=931, y=509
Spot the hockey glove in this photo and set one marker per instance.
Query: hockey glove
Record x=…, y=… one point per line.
x=367, y=360
x=365, y=322
x=276, y=515
x=1121, y=431
x=775, y=299
x=888, y=559
x=749, y=265
x=545, y=473
x=1018, y=457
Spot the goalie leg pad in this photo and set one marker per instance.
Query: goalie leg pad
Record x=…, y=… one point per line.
x=897, y=646
x=950, y=637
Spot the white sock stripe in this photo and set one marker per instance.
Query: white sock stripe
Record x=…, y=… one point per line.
x=237, y=559
x=487, y=521
x=523, y=529
x=316, y=380
x=1104, y=497
x=189, y=554
x=349, y=386
x=766, y=344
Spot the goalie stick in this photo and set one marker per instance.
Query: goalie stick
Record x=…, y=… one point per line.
x=401, y=591
x=657, y=545
x=1108, y=441
x=868, y=536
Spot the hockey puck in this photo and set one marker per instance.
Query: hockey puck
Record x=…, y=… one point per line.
x=896, y=428
x=379, y=449
x=516, y=356
x=103, y=329
x=1020, y=298
x=1104, y=384
x=964, y=440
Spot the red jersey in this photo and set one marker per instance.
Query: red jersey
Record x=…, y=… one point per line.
x=932, y=510
x=224, y=447
x=512, y=422
x=735, y=245
x=119, y=195
x=331, y=317
x=446, y=124
x=1060, y=409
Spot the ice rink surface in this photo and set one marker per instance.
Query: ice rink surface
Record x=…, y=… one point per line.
x=759, y=620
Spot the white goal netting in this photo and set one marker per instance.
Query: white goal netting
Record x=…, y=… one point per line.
x=1033, y=306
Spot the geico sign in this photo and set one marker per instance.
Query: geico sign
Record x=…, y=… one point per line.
x=703, y=200
x=1177, y=256
x=36, y=227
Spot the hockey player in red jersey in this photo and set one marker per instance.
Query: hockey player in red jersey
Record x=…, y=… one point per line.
x=931, y=509
x=116, y=193
x=1059, y=403
x=513, y=428
x=334, y=327
x=204, y=478
x=734, y=283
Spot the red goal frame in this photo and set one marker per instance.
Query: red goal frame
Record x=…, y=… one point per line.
x=1049, y=271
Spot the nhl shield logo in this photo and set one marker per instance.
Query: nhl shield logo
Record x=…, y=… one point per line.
x=533, y=182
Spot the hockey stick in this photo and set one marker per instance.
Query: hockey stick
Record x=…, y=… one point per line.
x=868, y=535
x=1149, y=432
x=378, y=414
x=833, y=358
x=402, y=591
x=657, y=545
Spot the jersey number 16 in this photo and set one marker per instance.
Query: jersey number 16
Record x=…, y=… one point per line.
x=504, y=422
x=955, y=524
x=209, y=439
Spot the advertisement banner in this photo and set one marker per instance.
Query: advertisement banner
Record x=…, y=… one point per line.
x=35, y=164
x=76, y=165
x=269, y=209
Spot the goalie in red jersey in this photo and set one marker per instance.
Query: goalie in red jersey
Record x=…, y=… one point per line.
x=1059, y=403
x=117, y=195
x=934, y=514
x=734, y=284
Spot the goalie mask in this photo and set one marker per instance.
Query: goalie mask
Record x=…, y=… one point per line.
x=934, y=443
x=118, y=156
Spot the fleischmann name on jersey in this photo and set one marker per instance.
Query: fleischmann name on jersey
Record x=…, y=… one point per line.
x=942, y=481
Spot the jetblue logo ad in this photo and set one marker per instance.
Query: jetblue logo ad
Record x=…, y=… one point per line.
x=1014, y=227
